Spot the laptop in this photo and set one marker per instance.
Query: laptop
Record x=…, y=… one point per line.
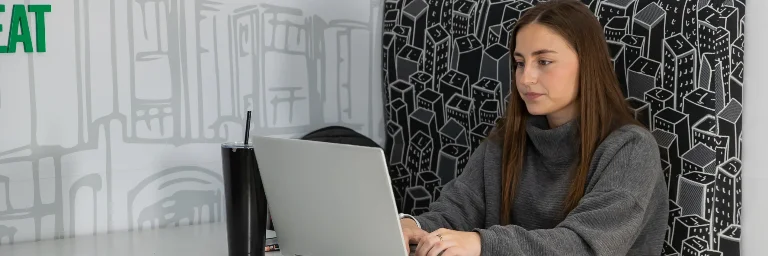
x=329, y=199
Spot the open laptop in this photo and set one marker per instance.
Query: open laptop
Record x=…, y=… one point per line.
x=329, y=199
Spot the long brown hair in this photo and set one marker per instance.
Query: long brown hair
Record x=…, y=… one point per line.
x=602, y=107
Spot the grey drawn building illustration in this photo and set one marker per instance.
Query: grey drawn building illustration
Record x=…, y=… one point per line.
x=437, y=49
x=643, y=75
x=668, y=151
x=699, y=104
x=463, y=21
x=421, y=80
x=453, y=158
x=157, y=86
x=414, y=16
x=727, y=190
x=453, y=133
x=610, y=9
x=616, y=28
x=696, y=194
x=659, y=99
x=674, y=212
x=467, y=53
x=694, y=246
x=679, y=68
x=419, y=155
x=431, y=100
x=729, y=239
x=649, y=24
x=454, y=83
x=640, y=110
x=705, y=132
x=618, y=57
x=688, y=226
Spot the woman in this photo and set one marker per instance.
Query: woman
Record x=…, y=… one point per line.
x=568, y=171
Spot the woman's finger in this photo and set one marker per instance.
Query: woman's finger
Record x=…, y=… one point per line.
x=441, y=246
x=452, y=251
x=416, y=235
x=426, y=243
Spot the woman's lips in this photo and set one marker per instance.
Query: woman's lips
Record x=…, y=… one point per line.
x=532, y=95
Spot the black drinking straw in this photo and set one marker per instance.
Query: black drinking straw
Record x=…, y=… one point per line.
x=247, y=127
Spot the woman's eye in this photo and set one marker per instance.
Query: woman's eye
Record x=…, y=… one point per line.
x=544, y=62
x=519, y=64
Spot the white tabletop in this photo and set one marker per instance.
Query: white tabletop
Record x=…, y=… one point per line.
x=197, y=240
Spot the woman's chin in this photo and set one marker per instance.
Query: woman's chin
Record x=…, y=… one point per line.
x=535, y=110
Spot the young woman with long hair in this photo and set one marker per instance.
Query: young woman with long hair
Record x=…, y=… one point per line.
x=567, y=170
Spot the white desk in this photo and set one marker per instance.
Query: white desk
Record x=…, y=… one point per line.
x=197, y=240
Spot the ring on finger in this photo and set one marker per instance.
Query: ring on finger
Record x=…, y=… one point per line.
x=440, y=236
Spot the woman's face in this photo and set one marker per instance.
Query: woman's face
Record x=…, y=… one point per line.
x=547, y=73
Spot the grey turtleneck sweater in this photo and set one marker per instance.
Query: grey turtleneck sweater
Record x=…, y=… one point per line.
x=623, y=212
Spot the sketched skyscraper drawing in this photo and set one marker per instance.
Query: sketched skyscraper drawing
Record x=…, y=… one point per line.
x=515, y=9
x=727, y=189
x=467, y=53
x=699, y=159
x=641, y=110
x=669, y=153
x=618, y=57
x=453, y=83
x=463, y=22
x=730, y=239
x=659, y=99
x=396, y=137
x=450, y=164
x=689, y=226
x=617, y=28
x=414, y=16
x=729, y=124
x=609, y=9
x=419, y=155
x=460, y=109
x=423, y=120
x=649, y=23
x=677, y=123
x=679, y=68
x=421, y=80
x=694, y=246
x=674, y=19
x=705, y=132
x=698, y=104
x=487, y=89
x=433, y=101
x=643, y=75
x=453, y=133
x=436, y=52
x=496, y=63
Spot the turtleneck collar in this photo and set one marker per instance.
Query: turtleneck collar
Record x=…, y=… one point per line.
x=557, y=146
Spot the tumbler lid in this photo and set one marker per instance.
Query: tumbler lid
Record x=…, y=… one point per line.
x=236, y=144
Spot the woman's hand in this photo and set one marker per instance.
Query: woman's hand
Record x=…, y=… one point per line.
x=446, y=242
x=412, y=234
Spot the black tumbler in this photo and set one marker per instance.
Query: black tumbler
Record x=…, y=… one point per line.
x=245, y=200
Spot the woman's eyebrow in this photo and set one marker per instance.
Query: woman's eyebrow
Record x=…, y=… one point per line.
x=537, y=52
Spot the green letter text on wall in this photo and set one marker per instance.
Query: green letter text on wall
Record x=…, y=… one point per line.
x=19, y=31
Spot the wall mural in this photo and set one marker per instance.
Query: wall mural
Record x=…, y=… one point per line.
x=680, y=65
x=118, y=125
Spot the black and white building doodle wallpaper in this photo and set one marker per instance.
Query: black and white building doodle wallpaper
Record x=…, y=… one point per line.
x=680, y=65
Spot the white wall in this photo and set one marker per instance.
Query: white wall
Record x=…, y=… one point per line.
x=754, y=217
x=118, y=126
